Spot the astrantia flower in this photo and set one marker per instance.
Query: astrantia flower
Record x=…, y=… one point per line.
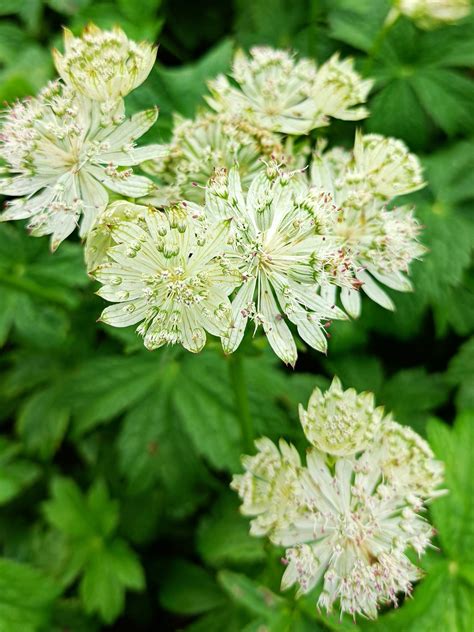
x=170, y=273
x=353, y=537
x=270, y=481
x=429, y=14
x=212, y=140
x=349, y=516
x=104, y=65
x=279, y=93
x=282, y=241
x=337, y=89
x=406, y=459
x=383, y=242
x=64, y=154
x=100, y=237
x=340, y=422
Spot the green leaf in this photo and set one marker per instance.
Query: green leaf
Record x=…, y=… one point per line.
x=108, y=573
x=453, y=514
x=67, y=510
x=104, y=387
x=26, y=598
x=109, y=566
x=461, y=374
x=412, y=393
x=396, y=111
x=254, y=597
x=223, y=536
x=447, y=96
x=188, y=589
x=357, y=23
x=42, y=421
x=16, y=474
x=205, y=405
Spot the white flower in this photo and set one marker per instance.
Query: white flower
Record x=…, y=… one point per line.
x=169, y=272
x=282, y=94
x=285, y=252
x=383, y=242
x=212, y=140
x=336, y=89
x=64, y=154
x=104, y=65
x=269, y=483
x=429, y=14
x=100, y=237
x=406, y=460
x=349, y=516
x=340, y=422
x=353, y=536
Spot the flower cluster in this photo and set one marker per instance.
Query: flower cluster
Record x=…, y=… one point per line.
x=104, y=65
x=211, y=140
x=295, y=239
x=281, y=94
x=67, y=151
x=429, y=14
x=170, y=274
x=383, y=242
x=349, y=515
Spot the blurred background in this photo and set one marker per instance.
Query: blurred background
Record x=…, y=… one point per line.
x=115, y=512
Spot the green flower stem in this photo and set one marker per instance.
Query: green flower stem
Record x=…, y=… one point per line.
x=237, y=378
x=391, y=19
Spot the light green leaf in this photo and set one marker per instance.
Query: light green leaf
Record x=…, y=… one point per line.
x=453, y=514
x=461, y=374
x=26, y=598
x=108, y=573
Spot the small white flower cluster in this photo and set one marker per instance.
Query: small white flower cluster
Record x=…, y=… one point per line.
x=296, y=239
x=430, y=14
x=68, y=149
x=349, y=515
x=211, y=140
x=383, y=242
x=282, y=94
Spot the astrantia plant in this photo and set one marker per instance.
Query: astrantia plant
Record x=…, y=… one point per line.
x=349, y=516
x=267, y=214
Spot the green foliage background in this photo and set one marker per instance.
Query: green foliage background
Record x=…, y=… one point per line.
x=115, y=512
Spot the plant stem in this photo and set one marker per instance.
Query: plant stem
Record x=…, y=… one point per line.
x=237, y=378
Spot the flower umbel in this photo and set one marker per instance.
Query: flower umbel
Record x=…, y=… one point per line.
x=169, y=273
x=211, y=141
x=281, y=94
x=429, y=14
x=104, y=65
x=340, y=422
x=282, y=243
x=383, y=242
x=348, y=517
x=64, y=154
x=270, y=481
